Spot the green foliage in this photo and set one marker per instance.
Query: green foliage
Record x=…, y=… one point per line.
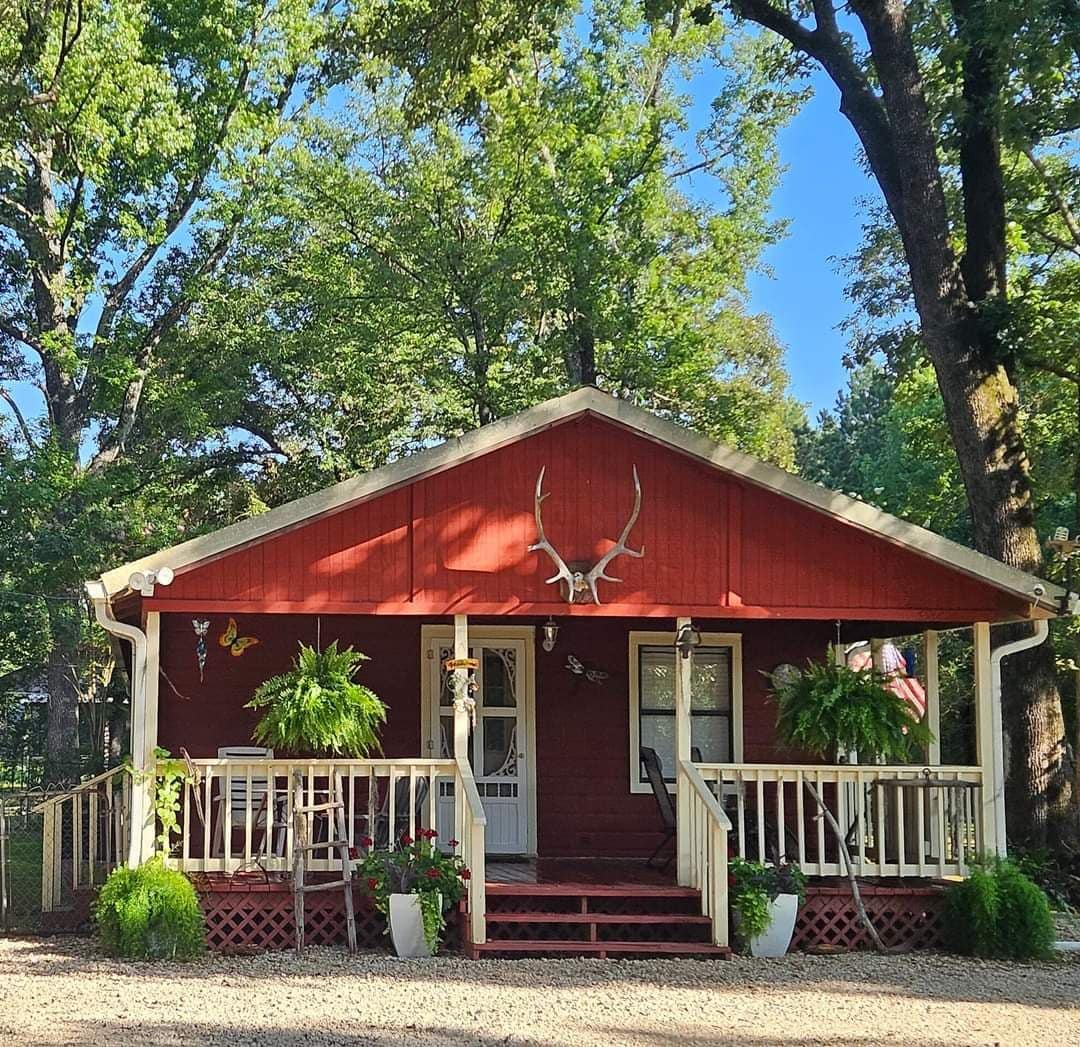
x=317, y=707
x=169, y=777
x=149, y=913
x=998, y=912
x=417, y=867
x=752, y=888
x=829, y=708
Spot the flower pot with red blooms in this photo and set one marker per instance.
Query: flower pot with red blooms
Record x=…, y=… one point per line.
x=413, y=887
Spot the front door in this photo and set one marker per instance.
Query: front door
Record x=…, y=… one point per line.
x=500, y=742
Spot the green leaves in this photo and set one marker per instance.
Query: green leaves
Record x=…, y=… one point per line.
x=318, y=708
x=830, y=708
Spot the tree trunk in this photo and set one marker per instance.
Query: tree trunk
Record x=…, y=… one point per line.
x=62, y=763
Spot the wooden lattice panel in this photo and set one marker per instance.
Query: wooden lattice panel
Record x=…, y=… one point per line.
x=906, y=918
x=258, y=917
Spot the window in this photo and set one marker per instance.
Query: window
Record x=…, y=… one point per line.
x=716, y=701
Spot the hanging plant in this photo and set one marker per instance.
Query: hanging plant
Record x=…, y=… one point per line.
x=317, y=706
x=829, y=708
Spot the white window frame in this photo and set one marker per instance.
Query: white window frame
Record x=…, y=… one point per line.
x=639, y=639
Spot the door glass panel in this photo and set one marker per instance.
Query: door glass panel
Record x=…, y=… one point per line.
x=500, y=683
x=711, y=736
x=446, y=737
x=500, y=755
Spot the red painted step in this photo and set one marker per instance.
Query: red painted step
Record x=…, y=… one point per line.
x=596, y=917
x=603, y=949
x=591, y=890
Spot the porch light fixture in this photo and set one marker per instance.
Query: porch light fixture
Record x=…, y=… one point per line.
x=551, y=634
x=687, y=639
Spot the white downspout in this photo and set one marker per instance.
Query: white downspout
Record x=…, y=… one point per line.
x=1042, y=631
x=137, y=638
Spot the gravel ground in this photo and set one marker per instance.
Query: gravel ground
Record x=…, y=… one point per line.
x=61, y=992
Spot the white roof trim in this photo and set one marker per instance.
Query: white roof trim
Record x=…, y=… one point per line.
x=488, y=438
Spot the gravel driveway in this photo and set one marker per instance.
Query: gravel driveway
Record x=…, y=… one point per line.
x=60, y=992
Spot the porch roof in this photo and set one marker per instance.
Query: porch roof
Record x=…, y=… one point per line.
x=588, y=401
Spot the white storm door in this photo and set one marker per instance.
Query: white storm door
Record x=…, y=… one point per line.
x=497, y=744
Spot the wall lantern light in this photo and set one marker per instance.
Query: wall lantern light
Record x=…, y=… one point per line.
x=688, y=638
x=551, y=634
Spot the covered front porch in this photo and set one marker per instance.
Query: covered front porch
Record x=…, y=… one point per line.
x=547, y=793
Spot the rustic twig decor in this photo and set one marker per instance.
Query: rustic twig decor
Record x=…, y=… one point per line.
x=580, y=582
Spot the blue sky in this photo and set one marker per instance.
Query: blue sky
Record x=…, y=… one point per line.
x=820, y=195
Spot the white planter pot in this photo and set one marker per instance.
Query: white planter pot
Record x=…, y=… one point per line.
x=775, y=941
x=407, y=926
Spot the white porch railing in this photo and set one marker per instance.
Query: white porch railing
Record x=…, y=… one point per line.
x=707, y=840
x=238, y=813
x=85, y=834
x=898, y=820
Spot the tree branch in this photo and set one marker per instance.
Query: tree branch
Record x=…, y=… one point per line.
x=18, y=335
x=20, y=418
x=1072, y=223
x=1041, y=363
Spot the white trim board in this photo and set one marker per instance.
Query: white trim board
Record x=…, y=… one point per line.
x=636, y=639
x=591, y=401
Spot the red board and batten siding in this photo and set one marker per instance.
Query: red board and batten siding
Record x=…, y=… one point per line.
x=456, y=542
x=584, y=803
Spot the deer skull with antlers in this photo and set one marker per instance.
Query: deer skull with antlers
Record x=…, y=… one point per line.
x=580, y=582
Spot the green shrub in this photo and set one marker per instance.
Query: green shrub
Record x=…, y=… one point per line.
x=998, y=912
x=317, y=706
x=149, y=913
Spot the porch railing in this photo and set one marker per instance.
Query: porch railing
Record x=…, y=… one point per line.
x=897, y=820
x=237, y=814
x=707, y=842
x=85, y=835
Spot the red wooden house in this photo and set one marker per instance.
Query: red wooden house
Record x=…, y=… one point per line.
x=436, y=556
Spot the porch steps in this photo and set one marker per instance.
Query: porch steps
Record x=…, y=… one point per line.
x=601, y=920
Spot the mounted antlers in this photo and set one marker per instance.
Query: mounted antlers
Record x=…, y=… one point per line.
x=578, y=582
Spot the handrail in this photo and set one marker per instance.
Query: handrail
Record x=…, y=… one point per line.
x=82, y=787
x=704, y=839
x=712, y=805
x=333, y=761
x=472, y=827
x=836, y=768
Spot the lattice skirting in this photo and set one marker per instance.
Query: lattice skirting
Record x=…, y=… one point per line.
x=246, y=915
x=906, y=918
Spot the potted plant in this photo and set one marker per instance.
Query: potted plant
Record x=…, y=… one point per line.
x=317, y=706
x=413, y=887
x=826, y=709
x=765, y=901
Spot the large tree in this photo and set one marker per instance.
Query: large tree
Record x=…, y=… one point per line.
x=935, y=92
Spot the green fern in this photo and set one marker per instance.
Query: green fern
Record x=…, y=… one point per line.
x=829, y=708
x=318, y=707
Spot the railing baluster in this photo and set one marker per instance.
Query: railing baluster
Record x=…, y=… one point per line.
x=412, y=801
x=781, y=820
x=77, y=847
x=800, y=813
x=920, y=810
x=91, y=849
x=740, y=802
x=901, y=850
x=820, y=823
x=185, y=840
x=248, y=814
x=760, y=816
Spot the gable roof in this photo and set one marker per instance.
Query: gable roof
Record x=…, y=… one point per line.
x=589, y=401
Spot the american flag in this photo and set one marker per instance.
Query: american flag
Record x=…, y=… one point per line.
x=895, y=668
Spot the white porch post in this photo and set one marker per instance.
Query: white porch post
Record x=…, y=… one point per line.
x=144, y=718
x=987, y=747
x=684, y=671
x=933, y=695
x=461, y=683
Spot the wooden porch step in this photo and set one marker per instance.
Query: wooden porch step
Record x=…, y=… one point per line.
x=596, y=917
x=602, y=949
x=592, y=890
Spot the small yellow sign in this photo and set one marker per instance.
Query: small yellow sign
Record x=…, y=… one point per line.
x=461, y=663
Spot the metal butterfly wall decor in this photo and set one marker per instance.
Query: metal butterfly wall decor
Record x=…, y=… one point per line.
x=237, y=645
x=578, y=668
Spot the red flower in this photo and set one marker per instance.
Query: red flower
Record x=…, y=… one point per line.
x=366, y=841
x=428, y=834
x=465, y=874
x=406, y=840
x=433, y=874
x=353, y=852
x=452, y=843
x=373, y=884
x=731, y=880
